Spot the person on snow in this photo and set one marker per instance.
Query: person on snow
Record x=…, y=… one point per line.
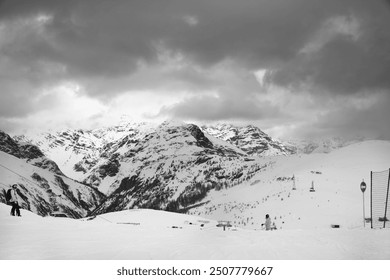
x=14, y=201
x=267, y=222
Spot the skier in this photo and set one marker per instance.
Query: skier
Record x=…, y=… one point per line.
x=14, y=201
x=267, y=222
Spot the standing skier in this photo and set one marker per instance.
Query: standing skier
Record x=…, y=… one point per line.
x=267, y=222
x=14, y=201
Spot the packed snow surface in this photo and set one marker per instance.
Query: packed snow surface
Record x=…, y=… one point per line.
x=150, y=235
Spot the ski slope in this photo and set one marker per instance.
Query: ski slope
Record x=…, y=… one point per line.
x=157, y=235
x=337, y=199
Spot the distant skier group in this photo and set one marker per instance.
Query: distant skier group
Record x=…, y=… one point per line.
x=12, y=199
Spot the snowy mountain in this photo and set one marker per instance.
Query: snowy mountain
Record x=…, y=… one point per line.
x=250, y=139
x=43, y=188
x=319, y=145
x=171, y=168
x=28, y=152
x=77, y=151
x=253, y=141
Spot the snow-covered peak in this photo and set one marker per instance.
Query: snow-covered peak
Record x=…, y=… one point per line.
x=250, y=139
x=171, y=123
x=77, y=150
x=320, y=145
x=169, y=168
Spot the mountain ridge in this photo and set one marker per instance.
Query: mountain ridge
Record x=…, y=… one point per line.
x=171, y=166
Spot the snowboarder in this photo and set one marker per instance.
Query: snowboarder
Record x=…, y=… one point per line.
x=267, y=222
x=14, y=201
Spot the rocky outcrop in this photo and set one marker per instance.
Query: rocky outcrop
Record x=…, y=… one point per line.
x=28, y=152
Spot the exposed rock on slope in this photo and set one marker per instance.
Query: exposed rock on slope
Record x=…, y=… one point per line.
x=171, y=168
x=42, y=187
x=28, y=152
x=250, y=139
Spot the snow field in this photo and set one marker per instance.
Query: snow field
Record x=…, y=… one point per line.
x=153, y=235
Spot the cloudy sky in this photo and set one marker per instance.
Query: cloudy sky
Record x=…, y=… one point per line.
x=295, y=68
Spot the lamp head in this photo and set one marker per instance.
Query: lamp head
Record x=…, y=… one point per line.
x=363, y=186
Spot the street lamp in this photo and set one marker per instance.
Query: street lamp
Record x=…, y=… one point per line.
x=363, y=187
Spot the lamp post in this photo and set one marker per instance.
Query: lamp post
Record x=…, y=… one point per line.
x=363, y=187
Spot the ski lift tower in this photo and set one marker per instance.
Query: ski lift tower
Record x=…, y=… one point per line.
x=294, y=186
x=312, y=187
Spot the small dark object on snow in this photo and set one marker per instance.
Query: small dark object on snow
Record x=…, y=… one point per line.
x=224, y=224
x=176, y=227
x=59, y=215
x=312, y=187
x=335, y=226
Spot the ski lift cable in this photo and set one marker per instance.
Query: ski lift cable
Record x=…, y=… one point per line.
x=104, y=219
x=28, y=180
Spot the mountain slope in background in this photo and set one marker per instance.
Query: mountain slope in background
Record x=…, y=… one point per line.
x=77, y=151
x=43, y=188
x=28, y=152
x=250, y=139
x=337, y=199
x=173, y=166
x=44, y=192
x=170, y=168
x=320, y=146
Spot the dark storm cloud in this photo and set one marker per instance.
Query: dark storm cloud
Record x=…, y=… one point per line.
x=86, y=37
x=110, y=38
x=116, y=46
x=15, y=104
x=214, y=108
x=349, y=121
x=344, y=64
